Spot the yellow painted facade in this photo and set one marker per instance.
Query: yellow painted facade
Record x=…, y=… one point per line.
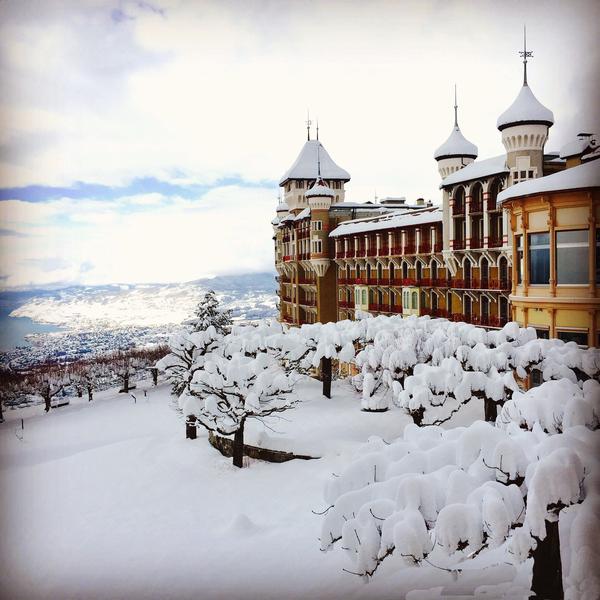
x=564, y=309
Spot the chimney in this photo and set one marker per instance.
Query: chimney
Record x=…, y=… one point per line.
x=420, y=201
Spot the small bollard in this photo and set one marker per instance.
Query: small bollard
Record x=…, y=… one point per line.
x=190, y=427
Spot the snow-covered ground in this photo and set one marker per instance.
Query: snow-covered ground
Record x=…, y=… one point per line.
x=108, y=500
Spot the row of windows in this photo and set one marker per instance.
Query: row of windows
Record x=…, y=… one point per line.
x=300, y=184
x=572, y=257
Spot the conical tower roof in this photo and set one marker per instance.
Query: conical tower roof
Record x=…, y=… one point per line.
x=456, y=145
x=305, y=166
x=526, y=109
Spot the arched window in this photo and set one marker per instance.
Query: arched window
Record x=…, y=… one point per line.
x=485, y=274
x=379, y=271
x=419, y=272
x=415, y=300
x=348, y=272
x=404, y=270
x=392, y=270
x=357, y=271
x=459, y=200
x=368, y=272
x=434, y=270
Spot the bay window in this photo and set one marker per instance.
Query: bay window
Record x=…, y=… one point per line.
x=572, y=255
x=539, y=258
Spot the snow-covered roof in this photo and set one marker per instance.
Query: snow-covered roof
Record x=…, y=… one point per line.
x=525, y=109
x=391, y=220
x=320, y=189
x=282, y=207
x=577, y=147
x=275, y=221
x=305, y=212
x=583, y=176
x=477, y=170
x=456, y=145
x=305, y=166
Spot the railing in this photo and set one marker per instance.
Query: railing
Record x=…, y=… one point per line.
x=380, y=308
x=476, y=243
x=287, y=257
x=286, y=298
x=360, y=281
x=396, y=309
x=440, y=313
x=372, y=281
x=458, y=209
x=458, y=283
x=346, y=304
x=494, y=242
x=498, y=321
x=492, y=205
x=288, y=319
x=440, y=283
x=395, y=281
x=345, y=281
x=396, y=250
x=307, y=302
x=438, y=246
x=475, y=207
x=306, y=280
x=407, y=281
x=458, y=244
x=304, y=256
x=372, y=252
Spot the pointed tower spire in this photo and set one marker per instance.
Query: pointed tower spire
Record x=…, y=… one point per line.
x=308, y=124
x=525, y=54
x=455, y=108
x=317, y=129
x=318, y=160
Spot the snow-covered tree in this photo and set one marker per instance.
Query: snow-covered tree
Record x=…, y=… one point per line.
x=444, y=497
x=235, y=388
x=12, y=389
x=208, y=313
x=187, y=352
x=47, y=381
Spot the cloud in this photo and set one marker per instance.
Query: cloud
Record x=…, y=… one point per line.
x=138, y=239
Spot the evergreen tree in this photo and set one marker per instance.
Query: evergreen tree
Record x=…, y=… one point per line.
x=207, y=313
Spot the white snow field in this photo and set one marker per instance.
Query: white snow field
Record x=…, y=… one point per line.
x=108, y=500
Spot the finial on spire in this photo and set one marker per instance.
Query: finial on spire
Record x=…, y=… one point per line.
x=317, y=129
x=308, y=124
x=525, y=54
x=455, y=108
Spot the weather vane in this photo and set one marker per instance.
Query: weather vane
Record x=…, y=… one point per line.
x=525, y=54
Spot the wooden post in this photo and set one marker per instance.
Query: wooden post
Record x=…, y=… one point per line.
x=190, y=427
x=490, y=410
x=238, y=447
x=326, y=376
x=547, y=568
x=154, y=372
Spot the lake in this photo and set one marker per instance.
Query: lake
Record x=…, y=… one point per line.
x=14, y=329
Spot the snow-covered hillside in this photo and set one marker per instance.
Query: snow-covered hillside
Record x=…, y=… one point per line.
x=149, y=305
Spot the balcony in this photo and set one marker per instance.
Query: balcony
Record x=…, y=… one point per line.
x=492, y=205
x=424, y=282
x=286, y=258
x=438, y=246
x=360, y=281
x=407, y=281
x=498, y=321
x=440, y=283
x=372, y=252
x=458, y=283
x=396, y=250
x=424, y=247
x=409, y=248
x=372, y=281
x=495, y=242
x=380, y=308
x=458, y=209
x=502, y=284
x=345, y=281
x=346, y=304
x=476, y=207
x=308, y=302
x=288, y=319
x=383, y=251
x=306, y=280
x=396, y=309
x=458, y=244
x=395, y=281
x=475, y=243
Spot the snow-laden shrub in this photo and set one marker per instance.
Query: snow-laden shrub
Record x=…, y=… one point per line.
x=448, y=495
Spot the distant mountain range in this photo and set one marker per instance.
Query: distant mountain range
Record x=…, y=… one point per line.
x=250, y=296
x=83, y=320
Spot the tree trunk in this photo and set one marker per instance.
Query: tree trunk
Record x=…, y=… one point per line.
x=79, y=392
x=326, y=376
x=190, y=428
x=126, y=383
x=47, y=399
x=154, y=376
x=1, y=413
x=90, y=392
x=490, y=410
x=547, y=568
x=238, y=447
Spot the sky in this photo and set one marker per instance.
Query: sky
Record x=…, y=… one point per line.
x=142, y=141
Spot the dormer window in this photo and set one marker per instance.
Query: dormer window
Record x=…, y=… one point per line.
x=300, y=185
